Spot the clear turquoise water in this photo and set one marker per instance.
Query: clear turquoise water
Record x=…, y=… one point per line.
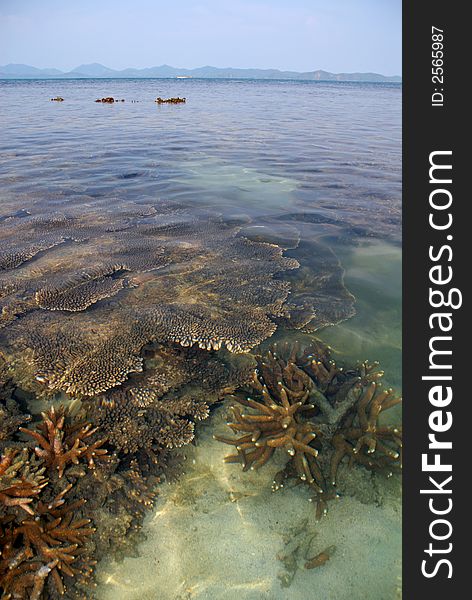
x=324, y=155
x=324, y=158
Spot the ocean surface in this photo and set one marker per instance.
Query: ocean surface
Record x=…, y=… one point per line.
x=319, y=159
x=323, y=157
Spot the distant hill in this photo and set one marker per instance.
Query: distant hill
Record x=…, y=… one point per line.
x=96, y=70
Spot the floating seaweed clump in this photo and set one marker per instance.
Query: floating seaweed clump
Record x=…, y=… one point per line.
x=319, y=413
x=177, y=100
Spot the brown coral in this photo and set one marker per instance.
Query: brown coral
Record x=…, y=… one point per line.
x=43, y=551
x=61, y=444
x=277, y=423
x=362, y=438
x=129, y=426
x=170, y=100
x=20, y=482
x=308, y=405
x=78, y=295
x=192, y=281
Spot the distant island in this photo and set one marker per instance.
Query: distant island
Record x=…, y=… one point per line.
x=95, y=70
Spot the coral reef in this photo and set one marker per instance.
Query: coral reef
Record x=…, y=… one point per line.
x=276, y=424
x=66, y=502
x=362, y=438
x=42, y=537
x=61, y=444
x=77, y=295
x=76, y=483
x=10, y=415
x=319, y=413
x=20, y=481
x=179, y=277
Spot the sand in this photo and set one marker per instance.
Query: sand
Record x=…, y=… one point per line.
x=221, y=534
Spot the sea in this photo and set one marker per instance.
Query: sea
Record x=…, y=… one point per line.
x=322, y=159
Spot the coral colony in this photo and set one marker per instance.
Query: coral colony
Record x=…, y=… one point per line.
x=130, y=321
x=303, y=404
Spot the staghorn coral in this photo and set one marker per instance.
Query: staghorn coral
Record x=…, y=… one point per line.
x=278, y=423
x=61, y=443
x=48, y=544
x=363, y=438
x=40, y=554
x=46, y=536
x=20, y=480
x=320, y=413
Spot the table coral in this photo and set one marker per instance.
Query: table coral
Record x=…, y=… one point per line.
x=82, y=293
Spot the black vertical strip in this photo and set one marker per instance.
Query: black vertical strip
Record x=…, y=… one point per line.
x=429, y=127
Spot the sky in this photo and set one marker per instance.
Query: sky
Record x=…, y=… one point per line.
x=298, y=35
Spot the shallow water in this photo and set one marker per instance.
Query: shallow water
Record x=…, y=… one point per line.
x=320, y=159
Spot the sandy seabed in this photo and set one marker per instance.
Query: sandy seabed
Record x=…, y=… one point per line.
x=221, y=534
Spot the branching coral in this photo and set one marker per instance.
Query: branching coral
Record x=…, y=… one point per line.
x=20, y=481
x=44, y=528
x=319, y=413
x=43, y=550
x=362, y=438
x=60, y=444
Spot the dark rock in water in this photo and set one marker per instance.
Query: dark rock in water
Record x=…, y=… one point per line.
x=108, y=100
x=177, y=100
x=129, y=175
x=16, y=215
x=57, y=99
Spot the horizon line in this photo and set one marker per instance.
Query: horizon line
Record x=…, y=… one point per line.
x=165, y=65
